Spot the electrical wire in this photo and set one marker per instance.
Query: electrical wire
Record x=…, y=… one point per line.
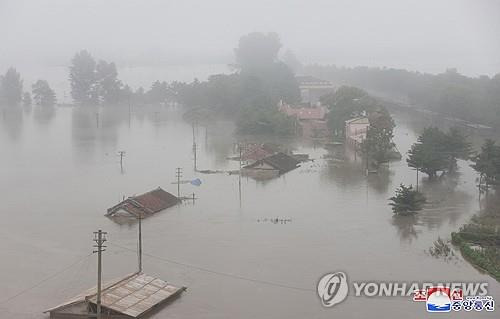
x=219, y=273
x=44, y=280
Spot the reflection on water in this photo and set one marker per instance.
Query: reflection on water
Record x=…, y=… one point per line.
x=44, y=115
x=12, y=121
x=405, y=226
x=341, y=218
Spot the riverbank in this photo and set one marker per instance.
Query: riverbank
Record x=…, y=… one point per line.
x=479, y=240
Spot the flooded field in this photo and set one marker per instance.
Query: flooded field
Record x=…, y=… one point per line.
x=59, y=172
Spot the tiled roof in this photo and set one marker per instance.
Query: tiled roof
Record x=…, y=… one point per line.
x=133, y=295
x=156, y=200
x=146, y=204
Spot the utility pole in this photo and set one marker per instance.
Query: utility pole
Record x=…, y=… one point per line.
x=140, y=242
x=97, y=119
x=99, y=238
x=121, y=154
x=129, y=111
x=239, y=175
x=194, y=148
x=178, y=174
x=417, y=179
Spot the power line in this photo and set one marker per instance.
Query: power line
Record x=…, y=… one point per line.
x=219, y=273
x=44, y=280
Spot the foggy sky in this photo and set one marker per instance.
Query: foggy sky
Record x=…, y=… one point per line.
x=423, y=35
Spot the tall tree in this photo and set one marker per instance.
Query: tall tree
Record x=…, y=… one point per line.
x=43, y=95
x=27, y=99
x=458, y=147
x=378, y=143
x=257, y=51
x=430, y=154
x=12, y=87
x=159, y=93
x=83, y=79
x=257, y=58
x=108, y=86
x=345, y=103
x=291, y=60
x=487, y=164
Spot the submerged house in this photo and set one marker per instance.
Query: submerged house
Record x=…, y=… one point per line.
x=311, y=88
x=355, y=130
x=144, y=205
x=271, y=166
x=310, y=120
x=134, y=296
x=254, y=151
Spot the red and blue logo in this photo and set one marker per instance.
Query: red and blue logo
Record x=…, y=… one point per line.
x=443, y=299
x=438, y=299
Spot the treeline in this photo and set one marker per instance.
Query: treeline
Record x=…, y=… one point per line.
x=12, y=93
x=449, y=93
x=483, y=230
x=259, y=82
x=96, y=83
x=249, y=95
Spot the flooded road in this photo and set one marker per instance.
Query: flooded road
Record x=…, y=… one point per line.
x=59, y=172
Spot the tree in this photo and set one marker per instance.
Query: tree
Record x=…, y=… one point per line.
x=264, y=121
x=108, y=86
x=475, y=99
x=430, y=154
x=487, y=164
x=257, y=59
x=378, y=143
x=345, y=103
x=12, y=87
x=27, y=99
x=457, y=147
x=43, y=95
x=159, y=93
x=407, y=201
x=83, y=79
x=257, y=51
x=291, y=60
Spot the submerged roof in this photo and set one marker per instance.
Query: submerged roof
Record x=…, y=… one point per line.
x=255, y=152
x=279, y=161
x=358, y=120
x=304, y=113
x=307, y=80
x=133, y=295
x=145, y=204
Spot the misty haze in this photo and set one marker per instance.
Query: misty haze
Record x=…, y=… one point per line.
x=249, y=159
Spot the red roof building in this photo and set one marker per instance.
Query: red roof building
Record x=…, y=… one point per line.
x=144, y=205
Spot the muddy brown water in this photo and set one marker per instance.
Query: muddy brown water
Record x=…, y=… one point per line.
x=59, y=171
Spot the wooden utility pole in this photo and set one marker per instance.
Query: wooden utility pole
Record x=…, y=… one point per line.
x=140, y=242
x=194, y=148
x=129, y=111
x=239, y=175
x=121, y=154
x=99, y=238
x=178, y=174
x=417, y=179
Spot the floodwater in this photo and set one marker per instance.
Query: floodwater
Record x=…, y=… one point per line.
x=59, y=172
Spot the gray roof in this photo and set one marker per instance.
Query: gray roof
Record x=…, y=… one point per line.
x=279, y=161
x=133, y=295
